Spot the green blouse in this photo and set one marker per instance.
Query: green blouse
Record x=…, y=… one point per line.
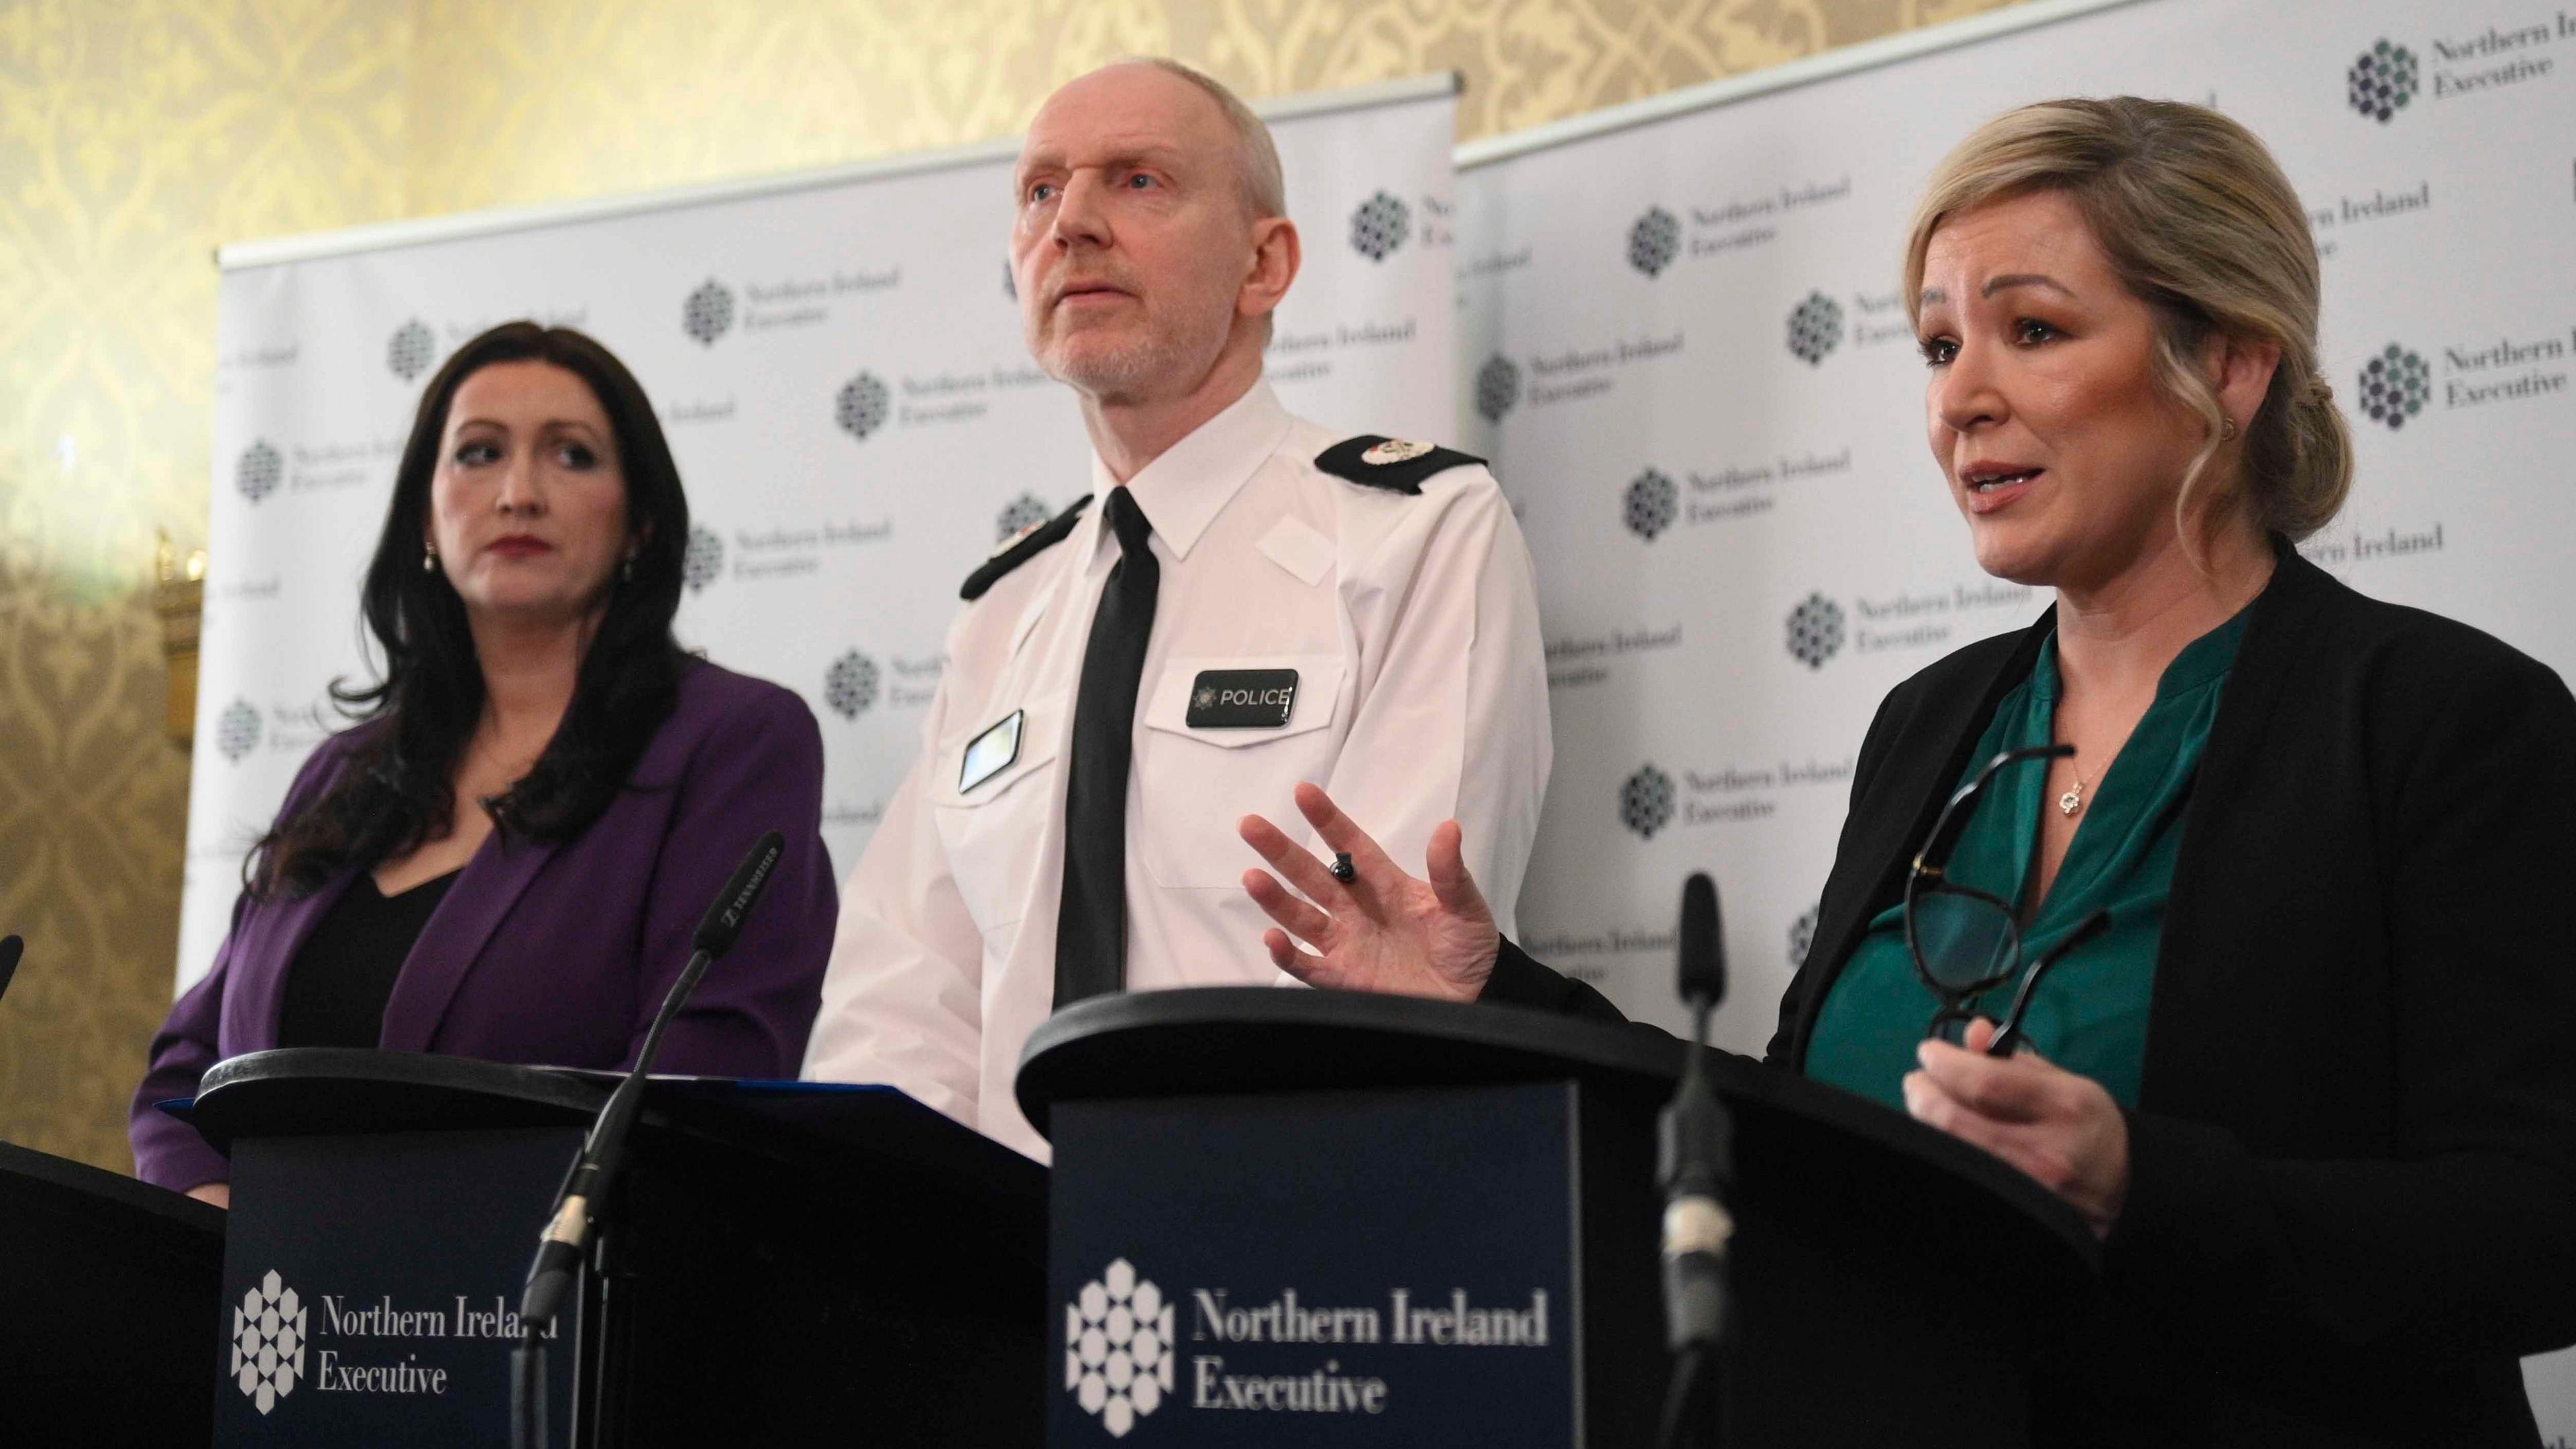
x=2089, y=1014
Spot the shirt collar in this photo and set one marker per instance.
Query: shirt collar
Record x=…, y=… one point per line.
x=1184, y=490
x=2203, y=661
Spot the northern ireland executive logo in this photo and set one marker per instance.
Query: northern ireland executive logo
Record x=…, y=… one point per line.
x=2395, y=385
x=1654, y=241
x=708, y=313
x=258, y=471
x=237, y=730
x=1646, y=801
x=408, y=351
x=1019, y=516
x=1815, y=631
x=1498, y=387
x=2382, y=81
x=1815, y=328
x=1649, y=504
x=1118, y=1348
x=861, y=407
x=1380, y=226
x=269, y=1333
x=702, y=562
x=850, y=685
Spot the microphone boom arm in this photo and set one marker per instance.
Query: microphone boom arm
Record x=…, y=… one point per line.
x=594, y=1173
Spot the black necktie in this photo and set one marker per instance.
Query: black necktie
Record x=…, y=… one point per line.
x=1091, y=925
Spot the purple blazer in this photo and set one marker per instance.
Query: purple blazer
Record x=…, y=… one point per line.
x=559, y=955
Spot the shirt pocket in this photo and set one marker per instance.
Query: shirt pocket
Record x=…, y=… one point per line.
x=1194, y=784
x=994, y=829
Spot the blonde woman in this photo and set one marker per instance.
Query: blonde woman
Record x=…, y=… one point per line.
x=2258, y=873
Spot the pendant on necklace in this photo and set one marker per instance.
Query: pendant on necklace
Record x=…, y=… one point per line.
x=2072, y=800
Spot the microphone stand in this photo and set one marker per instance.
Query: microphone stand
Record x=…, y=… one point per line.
x=603, y=1152
x=560, y=1250
x=1695, y=1166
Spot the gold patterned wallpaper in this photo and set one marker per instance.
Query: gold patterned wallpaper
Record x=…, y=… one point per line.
x=136, y=135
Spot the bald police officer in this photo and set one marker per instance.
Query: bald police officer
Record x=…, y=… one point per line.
x=1246, y=601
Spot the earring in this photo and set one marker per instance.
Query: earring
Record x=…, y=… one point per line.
x=626, y=570
x=2226, y=430
x=429, y=558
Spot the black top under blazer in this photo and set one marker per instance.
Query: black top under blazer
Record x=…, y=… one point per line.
x=2352, y=1195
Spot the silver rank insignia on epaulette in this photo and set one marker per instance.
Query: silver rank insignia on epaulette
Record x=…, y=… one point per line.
x=1394, y=451
x=1392, y=465
x=1014, y=541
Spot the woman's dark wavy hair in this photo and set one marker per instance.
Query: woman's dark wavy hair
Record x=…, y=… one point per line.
x=396, y=790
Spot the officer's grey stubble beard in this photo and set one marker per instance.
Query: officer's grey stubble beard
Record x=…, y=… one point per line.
x=1158, y=362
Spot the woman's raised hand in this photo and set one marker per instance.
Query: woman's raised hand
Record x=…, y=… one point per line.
x=1384, y=930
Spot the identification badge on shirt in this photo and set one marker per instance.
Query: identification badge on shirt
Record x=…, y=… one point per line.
x=1242, y=699
x=991, y=752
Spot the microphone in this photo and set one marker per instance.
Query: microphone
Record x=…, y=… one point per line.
x=724, y=918
x=10, y=949
x=559, y=1248
x=1695, y=1167
x=1703, y=950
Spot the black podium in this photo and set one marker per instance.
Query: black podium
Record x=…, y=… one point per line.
x=1296, y=1217
x=110, y=1289
x=783, y=1263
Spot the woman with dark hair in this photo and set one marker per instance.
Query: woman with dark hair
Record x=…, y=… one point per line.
x=505, y=856
x=2263, y=873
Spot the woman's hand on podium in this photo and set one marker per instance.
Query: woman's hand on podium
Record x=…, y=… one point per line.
x=2062, y=1129
x=1382, y=930
x=218, y=1193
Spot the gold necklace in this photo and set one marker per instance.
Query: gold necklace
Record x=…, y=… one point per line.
x=2073, y=799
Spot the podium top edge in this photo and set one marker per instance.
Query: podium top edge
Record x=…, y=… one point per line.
x=78, y=1181
x=814, y=1127
x=1256, y=1040
x=537, y=1086
x=1590, y=1047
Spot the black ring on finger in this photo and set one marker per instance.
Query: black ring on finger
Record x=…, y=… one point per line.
x=1343, y=870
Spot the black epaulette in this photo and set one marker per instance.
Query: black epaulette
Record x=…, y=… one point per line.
x=1020, y=547
x=1389, y=463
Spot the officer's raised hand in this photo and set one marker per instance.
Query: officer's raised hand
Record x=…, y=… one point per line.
x=1381, y=930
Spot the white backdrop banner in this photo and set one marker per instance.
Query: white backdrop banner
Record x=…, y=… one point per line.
x=838, y=366
x=1683, y=345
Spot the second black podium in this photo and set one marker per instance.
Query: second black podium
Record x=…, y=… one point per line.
x=1294, y=1217
x=784, y=1263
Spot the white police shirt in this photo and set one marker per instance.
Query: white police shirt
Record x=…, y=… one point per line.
x=1421, y=694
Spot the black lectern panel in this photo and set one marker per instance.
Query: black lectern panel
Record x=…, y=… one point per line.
x=1445, y=1313
x=1892, y=1285
x=783, y=1263
x=385, y=1292
x=108, y=1334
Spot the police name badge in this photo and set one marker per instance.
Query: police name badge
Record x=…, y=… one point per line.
x=1242, y=699
x=991, y=752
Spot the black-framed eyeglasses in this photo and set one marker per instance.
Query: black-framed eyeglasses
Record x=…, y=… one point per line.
x=1966, y=942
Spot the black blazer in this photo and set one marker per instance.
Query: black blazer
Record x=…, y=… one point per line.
x=2352, y=1199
